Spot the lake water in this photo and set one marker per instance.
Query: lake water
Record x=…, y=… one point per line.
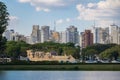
x=60, y=75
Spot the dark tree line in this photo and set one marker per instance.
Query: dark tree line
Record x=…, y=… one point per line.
x=4, y=17
x=15, y=49
x=104, y=51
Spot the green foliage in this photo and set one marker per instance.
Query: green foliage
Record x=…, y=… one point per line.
x=98, y=47
x=3, y=17
x=60, y=49
x=2, y=45
x=91, y=52
x=14, y=49
x=3, y=23
x=111, y=53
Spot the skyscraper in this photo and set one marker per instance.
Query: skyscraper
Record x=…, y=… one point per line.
x=63, y=37
x=44, y=33
x=29, y=40
x=35, y=36
x=72, y=35
x=81, y=40
x=86, y=38
x=114, y=32
x=56, y=36
x=9, y=34
x=100, y=35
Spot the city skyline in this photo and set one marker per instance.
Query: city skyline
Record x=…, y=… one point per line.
x=61, y=13
x=94, y=35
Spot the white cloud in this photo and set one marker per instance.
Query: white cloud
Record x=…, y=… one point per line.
x=104, y=11
x=47, y=10
x=47, y=5
x=13, y=21
x=90, y=5
x=68, y=20
x=24, y=1
x=13, y=18
x=60, y=21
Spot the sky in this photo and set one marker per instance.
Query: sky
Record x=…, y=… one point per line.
x=80, y=13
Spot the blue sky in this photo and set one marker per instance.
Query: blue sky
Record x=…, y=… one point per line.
x=80, y=13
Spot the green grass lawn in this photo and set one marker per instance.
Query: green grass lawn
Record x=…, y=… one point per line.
x=87, y=67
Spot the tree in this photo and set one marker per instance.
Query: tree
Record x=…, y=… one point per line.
x=111, y=53
x=12, y=49
x=15, y=49
x=91, y=53
x=3, y=24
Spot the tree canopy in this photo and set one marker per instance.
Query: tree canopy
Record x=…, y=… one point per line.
x=111, y=53
x=4, y=17
x=59, y=48
x=96, y=49
x=16, y=48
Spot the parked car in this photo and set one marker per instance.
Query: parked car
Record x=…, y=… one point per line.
x=91, y=61
x=115, y=61
x=104, y=61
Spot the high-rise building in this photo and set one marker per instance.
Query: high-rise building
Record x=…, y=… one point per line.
x=9, y=34
x=29, y=40
x=44, y=33
x=50, y=35
x=63, y=37
x=56, y=36
x=19, y=37
x=96, y=32
x=35, y=36
x=72, y=35
x=100, y=35
x=86, y=38
x=81, y=39
x=114, y=32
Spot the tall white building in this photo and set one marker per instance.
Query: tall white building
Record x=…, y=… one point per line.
x=29, y=40
x=63, y=37
x=81, y=40
x=44, y=33
x=72, y=35
x=100, y=35
x=9, y=34
x=35, y=36
x=114, y=32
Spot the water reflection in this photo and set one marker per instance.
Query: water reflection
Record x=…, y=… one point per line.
x=60, y=75
x=2, y=75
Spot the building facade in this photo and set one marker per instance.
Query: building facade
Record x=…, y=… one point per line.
x=35, y=36
x=45, y=33
x=100, y=35
x=63, y=37
x=114, y=32
x=42, y=56
x=86, y=38
x=56, y=37
x=72, y=35
x=9, y=34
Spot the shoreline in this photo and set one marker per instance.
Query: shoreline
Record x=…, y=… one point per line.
x=63, y=67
